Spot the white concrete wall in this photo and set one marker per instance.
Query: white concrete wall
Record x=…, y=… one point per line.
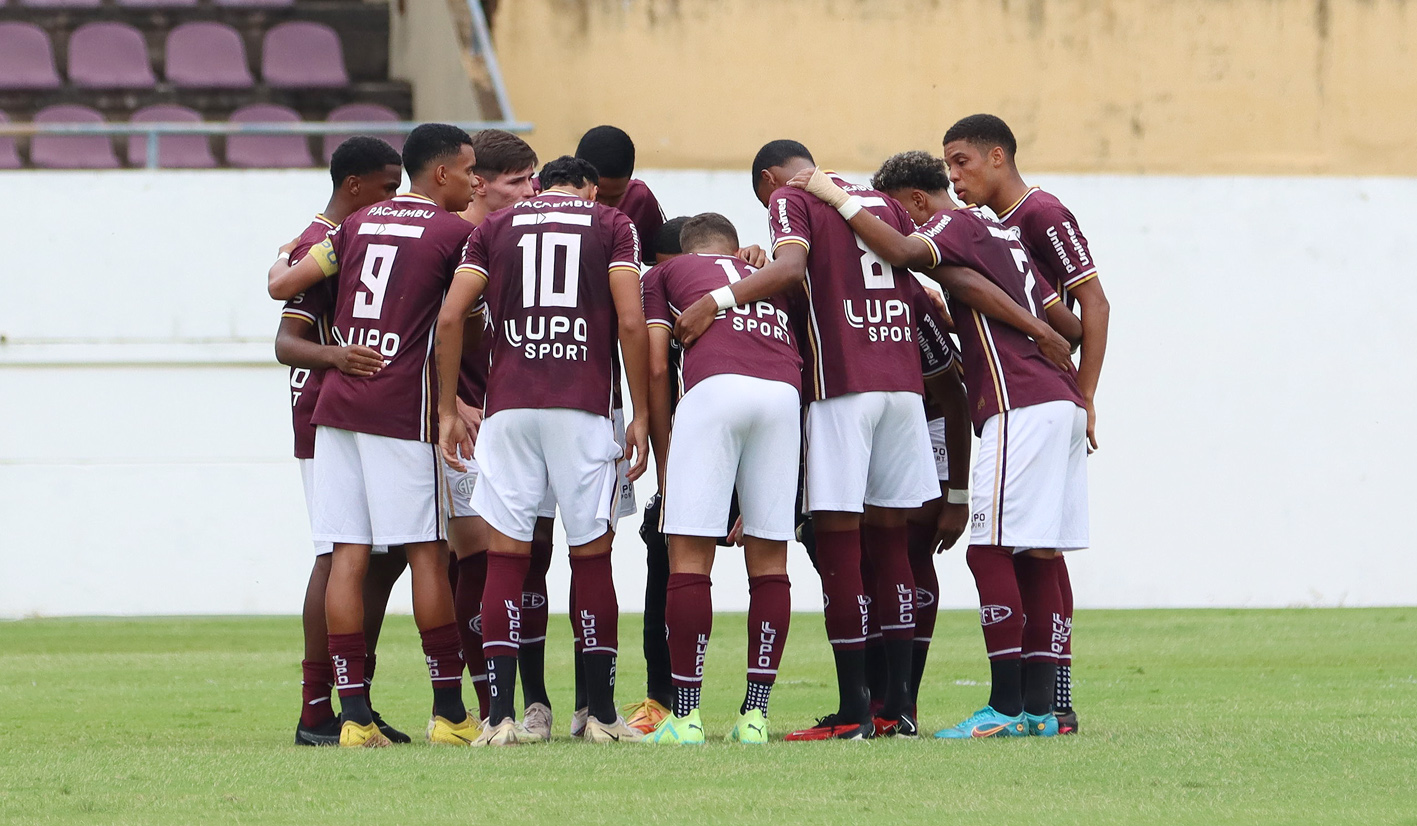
x=1255, y=447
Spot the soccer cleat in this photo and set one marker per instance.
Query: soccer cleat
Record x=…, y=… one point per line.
x=645, y=715
x=1041, y=725
x=505, y=733
x=1067, y=721
x=616, y=732
x=324, y=734
x=832, y=727
x=680, y=731
x=986, y=722
x=578, y=720
x=903, y=727
x=751, y=728
x=536, y=723
x=354, y=736
x=395, y=736
x=441, y=732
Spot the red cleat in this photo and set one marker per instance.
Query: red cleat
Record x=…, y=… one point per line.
x=832, y=727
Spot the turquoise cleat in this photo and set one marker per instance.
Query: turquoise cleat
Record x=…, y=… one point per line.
x=1042, y=725
x=986, y=722
x=678, y=731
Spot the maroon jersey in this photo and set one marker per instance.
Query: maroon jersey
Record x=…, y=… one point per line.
x=1003, y=367
x=547, y=262
x=1050, y=234
x=315, y=306
x=395, y=260
x=754, y=340
x=645, y=213
x=861, y=335
x=937, y=350
x=472, y=372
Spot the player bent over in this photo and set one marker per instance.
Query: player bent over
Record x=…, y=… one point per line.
x=377, y=477
x=561, y=276
x=1030, y=479
x=736, y=427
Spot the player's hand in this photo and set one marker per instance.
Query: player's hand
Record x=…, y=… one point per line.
x=1091, y=426
x=637, y=447
x=453, y=440
x=938, y=301
x=950, y=526
x=735, y=536
x=1056, y=349
x=695, y=320
x=471, y=419
x=357, y=360
x=754, y=256
x=817, y=183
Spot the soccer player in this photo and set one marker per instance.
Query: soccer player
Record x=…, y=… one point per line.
x=377, y=479
x=365, y=170
x=980, y=152
x=561, y=277
x=737, y=427
x=1030, y=481
x=612, y=153
x=868, y=448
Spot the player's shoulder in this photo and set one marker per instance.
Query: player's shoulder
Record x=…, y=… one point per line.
x=637, y=188
x=1039, y=208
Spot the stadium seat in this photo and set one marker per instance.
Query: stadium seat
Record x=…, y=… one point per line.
x=303, y=55
x=26, y=58
x=207, y=56
x=173, y=151
x=109, y=56
x=9, y=153
x=71, y=151
x=267, y=151
x=361, y=112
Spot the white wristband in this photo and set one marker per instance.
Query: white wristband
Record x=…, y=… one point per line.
x=853, y=205
x=723, y=297
x=284, y=256
x=957, y=497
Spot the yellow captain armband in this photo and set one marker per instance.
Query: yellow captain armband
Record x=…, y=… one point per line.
x=324, y=255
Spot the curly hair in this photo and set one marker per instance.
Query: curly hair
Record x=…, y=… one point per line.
x=911, y=170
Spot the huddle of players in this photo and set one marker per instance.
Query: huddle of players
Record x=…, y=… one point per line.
x=546, y=286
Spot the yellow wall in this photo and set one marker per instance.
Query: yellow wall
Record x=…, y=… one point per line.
x=1163, y=86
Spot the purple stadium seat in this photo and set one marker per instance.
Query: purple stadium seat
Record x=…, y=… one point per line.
x=303, y=55
x=9, y=155
x=109, y=56
x=71, y=151
x=361, y=112
x=26, y=58
x=267, y=151
x=173, y=151
x=207, y=56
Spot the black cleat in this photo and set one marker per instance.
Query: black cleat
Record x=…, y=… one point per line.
x=394, y=735
x=325, y=734
x=1067, y=721
x=832, y=727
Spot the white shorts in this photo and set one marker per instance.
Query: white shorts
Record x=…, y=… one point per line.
x=1030, y=480
x=868, y=448
x=734, y=431
x=522, y=451
x=625, y=488
x=376, y=490
x=937, y=446
x=460, y=484
x=307, y=478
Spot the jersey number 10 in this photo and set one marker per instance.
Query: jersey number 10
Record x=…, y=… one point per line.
x=550, y=243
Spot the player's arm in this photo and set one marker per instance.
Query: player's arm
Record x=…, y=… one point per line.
x=1096, y=312
x=979, y=293
x=634, y=347
x=1060, y=318
x=660, y=388
x=946, y=389
x=453, y=437
x=786, y=271
x=883, y=239
x=285, y=282
x=297, y=347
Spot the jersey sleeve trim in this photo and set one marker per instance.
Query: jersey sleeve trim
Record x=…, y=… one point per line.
x=790, y=239
x=659, y=322
x=291, y=312
x=625, y=265
x=1050, y=299
x=474, y=269
x=934, y=250
x=1080, y=279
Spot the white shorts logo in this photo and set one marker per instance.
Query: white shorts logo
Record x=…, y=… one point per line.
x=994, y=614
x=465, y=485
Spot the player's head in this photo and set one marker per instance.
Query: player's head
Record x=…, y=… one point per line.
x=439, y=160
x=917, y=180
x=709, y=232
x=775, y=164
x=612, y=153
x=505, y=165
x=365, y=171
x=666, y=242
x=574, y=175
x=979, y=151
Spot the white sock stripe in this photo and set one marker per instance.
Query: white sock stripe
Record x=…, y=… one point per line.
x=534, y=639
x=922, y=639
x=682, y=678
x=846, y=641
x=874, y=636
x=1032, y=654
x=446, y=679
x=910, y=626
x=317, y=701
x=481, y=678
x=487, y=645
x=768, y=671
x=1004, y=651
x=1068, y=657
x=599, y=648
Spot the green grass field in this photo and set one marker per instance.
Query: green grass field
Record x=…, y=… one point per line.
x=1298, y=716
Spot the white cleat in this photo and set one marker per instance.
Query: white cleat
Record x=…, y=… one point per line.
x=616, y=732
x=578, y=720
x=504, y=733
x=536, y=723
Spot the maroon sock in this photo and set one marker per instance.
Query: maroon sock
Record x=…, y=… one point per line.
x=927, y=581
x=467, y=605
x=1000, y=606
x=316, y=683
x=1042, y=608
x=597, y=616
x=442, y=651
x=688, y=616
x=847, y=611
x=347, y=659
x=1065, y=590
x=894, y=594
x=502, y=604
x=868, y=589
x=769, y=614
x=536, y=608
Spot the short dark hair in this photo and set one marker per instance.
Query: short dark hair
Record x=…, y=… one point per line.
x=609, y=150
x=985, y=132
x=568, y=171
x=705, y=227
x=777, y=153
x=431, y=142
x=911, y=170
x=499, y=152
x=666, y=241
x=360, y=156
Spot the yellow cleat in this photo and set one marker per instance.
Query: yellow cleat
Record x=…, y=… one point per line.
x=645, y=716
x=354, y=736
x=443, y=733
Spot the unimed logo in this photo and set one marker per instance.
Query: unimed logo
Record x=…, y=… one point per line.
x=994, y=614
